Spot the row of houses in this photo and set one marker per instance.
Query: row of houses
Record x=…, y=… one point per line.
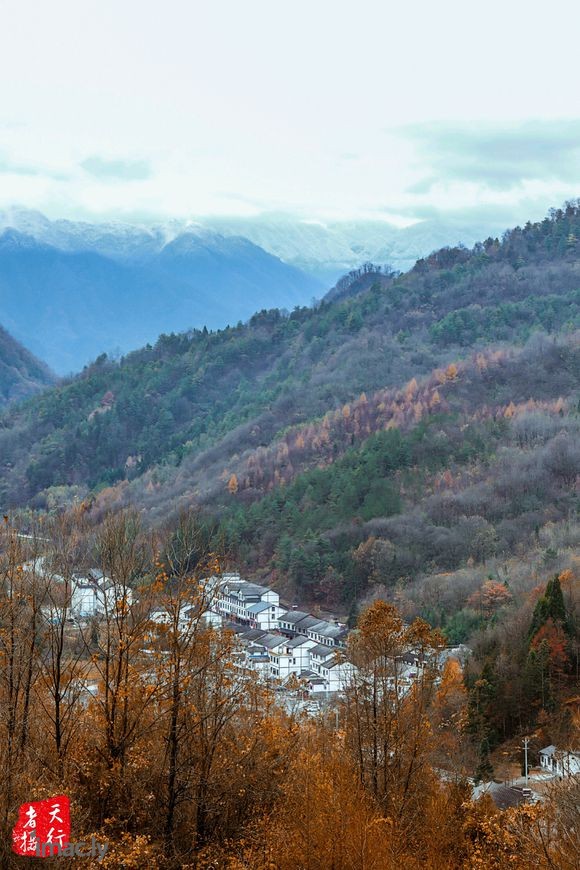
x=280, y=643
x=255, y=606
x=276, y=657
x=277, y=642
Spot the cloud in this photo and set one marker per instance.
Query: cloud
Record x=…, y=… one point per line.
x=498, y=156
x=11, y=167
x=480, y=219
x=117, y=170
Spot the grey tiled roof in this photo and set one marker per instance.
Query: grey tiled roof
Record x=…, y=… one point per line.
x=322, y=651
x=259, y=607
x=297, y=641
x=293, y=616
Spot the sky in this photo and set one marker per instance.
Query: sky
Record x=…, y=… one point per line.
x=139, y=110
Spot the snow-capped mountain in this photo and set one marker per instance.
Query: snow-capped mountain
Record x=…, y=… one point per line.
x=103, y=292
x=113, y=238
x=325, y=250
x=328, y=250
x=70, y=290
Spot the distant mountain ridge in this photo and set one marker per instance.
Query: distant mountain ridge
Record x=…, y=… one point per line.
x=21, y=374
x=324, y=250
x=71, y=290
x=329, y=249
x=72, y=303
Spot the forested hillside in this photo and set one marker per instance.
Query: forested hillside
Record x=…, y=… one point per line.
x=430, y=416
x=21, y=374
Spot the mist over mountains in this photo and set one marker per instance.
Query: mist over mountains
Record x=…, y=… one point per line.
x=71, y=290
x=328, y=250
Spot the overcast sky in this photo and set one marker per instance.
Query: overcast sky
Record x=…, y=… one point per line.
x=320, y=108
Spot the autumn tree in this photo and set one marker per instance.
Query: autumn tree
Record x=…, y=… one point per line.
x=387, y=728
x=122, y=710
x=18, y=626
x=449, y=719
x=63, y=654
x=490, y=598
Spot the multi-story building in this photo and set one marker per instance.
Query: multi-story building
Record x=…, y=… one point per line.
x=242, y=601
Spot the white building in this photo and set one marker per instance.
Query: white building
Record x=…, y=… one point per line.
x=160, y=616
x=560, y=762
x=328, y=633
x=337, y=672
x=283, y=660
x=321, y=655
x=321, y=631
x=94, y=594
x=285, y=656
x=264, y=615
x=316, y=684
x=188, y=613
x=291, y=619
x=299, y=648
x=209, y=618
x=233, y=598
x=257, y=659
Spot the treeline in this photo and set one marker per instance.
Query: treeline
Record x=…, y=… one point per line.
x=177, y=757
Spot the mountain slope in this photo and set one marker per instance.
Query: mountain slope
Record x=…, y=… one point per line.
x=70, y=306
x=312, y=433
x=21, y=374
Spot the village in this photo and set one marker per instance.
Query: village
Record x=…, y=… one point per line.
x=301, y=657
x=284, y=647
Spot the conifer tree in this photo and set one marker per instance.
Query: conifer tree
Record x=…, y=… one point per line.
x=484, y=769
x=550, y=606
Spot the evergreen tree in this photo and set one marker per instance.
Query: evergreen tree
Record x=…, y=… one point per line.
x=537, y=682
x=550, y=606
x=480, y=706
x=484, y=770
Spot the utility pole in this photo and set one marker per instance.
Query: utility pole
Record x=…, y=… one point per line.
x=526, y=742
